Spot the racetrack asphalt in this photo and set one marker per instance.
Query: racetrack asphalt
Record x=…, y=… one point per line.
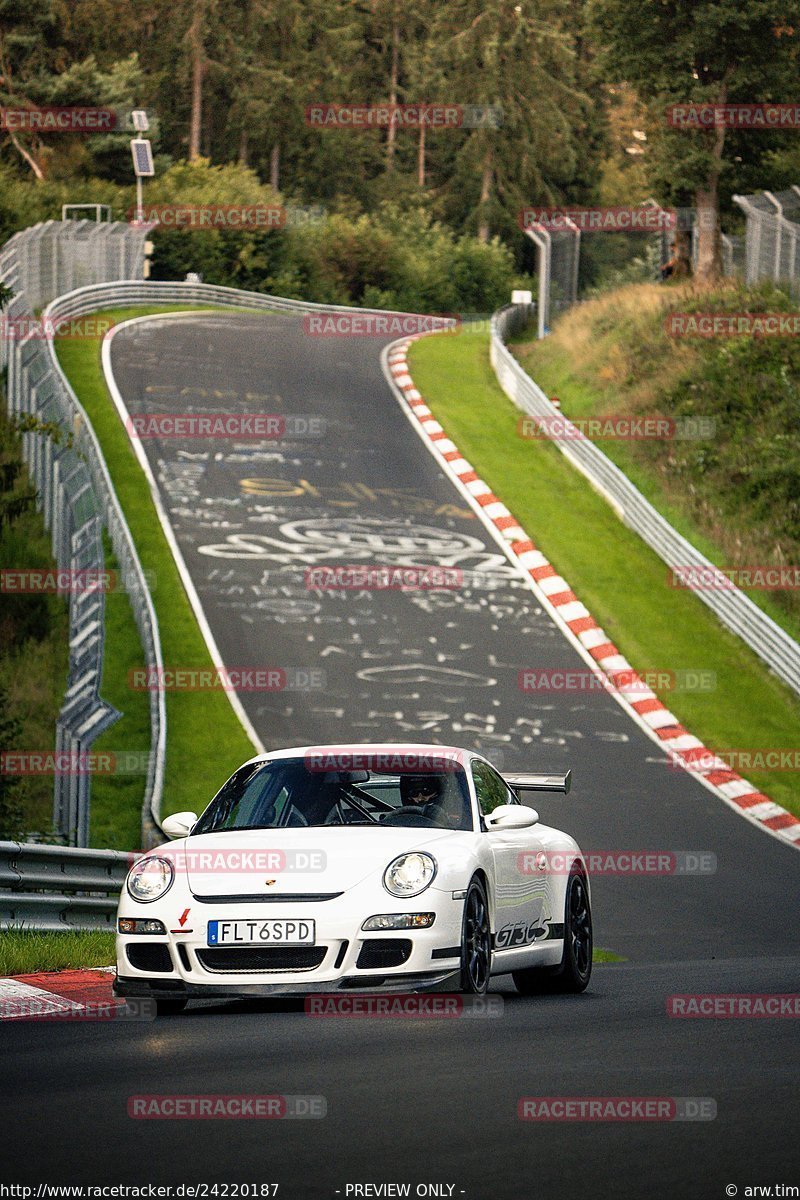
x=419, y=1100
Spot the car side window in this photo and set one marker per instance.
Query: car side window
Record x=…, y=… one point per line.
x=490, y=789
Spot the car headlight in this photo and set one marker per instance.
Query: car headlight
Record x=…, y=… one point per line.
x=409, y=874
x=150, y=879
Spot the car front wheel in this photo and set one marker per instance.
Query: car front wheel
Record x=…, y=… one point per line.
x=575, y=969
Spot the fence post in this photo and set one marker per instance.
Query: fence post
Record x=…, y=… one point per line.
x=543, y=242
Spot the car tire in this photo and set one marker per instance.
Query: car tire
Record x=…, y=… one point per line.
x=476, y=941
x=170, y=1008
x=575, y=969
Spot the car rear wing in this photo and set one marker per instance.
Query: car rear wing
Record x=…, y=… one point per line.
x=529, y=781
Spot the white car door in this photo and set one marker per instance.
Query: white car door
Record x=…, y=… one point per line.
x=522, y=892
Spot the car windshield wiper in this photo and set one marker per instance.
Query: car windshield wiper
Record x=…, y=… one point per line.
x=231, y=829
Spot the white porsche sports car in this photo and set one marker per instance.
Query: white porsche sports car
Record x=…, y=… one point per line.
x=334, y=868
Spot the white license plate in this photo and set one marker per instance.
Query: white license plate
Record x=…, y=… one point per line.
x=272, y=932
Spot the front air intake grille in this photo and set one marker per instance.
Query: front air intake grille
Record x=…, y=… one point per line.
x=261, y=898
x=378, y=953
x=149, y=956
x=236, y=959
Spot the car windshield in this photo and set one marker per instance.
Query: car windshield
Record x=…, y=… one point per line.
x=285, y=793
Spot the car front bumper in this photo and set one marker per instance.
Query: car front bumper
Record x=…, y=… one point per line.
x=189, y=968
x=164, y=988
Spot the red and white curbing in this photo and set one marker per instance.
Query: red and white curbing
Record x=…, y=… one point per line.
x=559, y=599
x=54, y=994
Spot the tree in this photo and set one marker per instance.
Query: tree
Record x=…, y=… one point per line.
x=30, y=52
x=711, y=52
x=415, y=71
x=516, y=58
x=195, y=39
x=42, y=64
x=270, y=53
x=186, y=62
x=119, y=87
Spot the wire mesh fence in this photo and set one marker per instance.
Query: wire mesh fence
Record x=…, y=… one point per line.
x=558, y=254
x=768, y=250
x=773, y=232
x=38, y=265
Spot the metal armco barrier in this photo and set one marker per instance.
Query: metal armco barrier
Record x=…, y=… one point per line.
x=733, y=608
x=49, y=888
x=124, y=291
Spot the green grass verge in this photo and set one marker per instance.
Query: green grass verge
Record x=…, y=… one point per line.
x=553, y=367
x=205, y=741
x=23, y=952
x=116, y=805
x=620, y=580
x=605, y=956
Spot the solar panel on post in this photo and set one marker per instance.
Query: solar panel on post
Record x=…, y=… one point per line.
x=142, y=157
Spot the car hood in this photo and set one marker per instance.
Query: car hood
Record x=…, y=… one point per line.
x=308, y=861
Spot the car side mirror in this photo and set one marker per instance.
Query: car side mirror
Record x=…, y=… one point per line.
x=179, y=824
x=511, y=816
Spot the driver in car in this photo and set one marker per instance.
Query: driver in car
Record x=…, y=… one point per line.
x=428, y=794
x=419, y=790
